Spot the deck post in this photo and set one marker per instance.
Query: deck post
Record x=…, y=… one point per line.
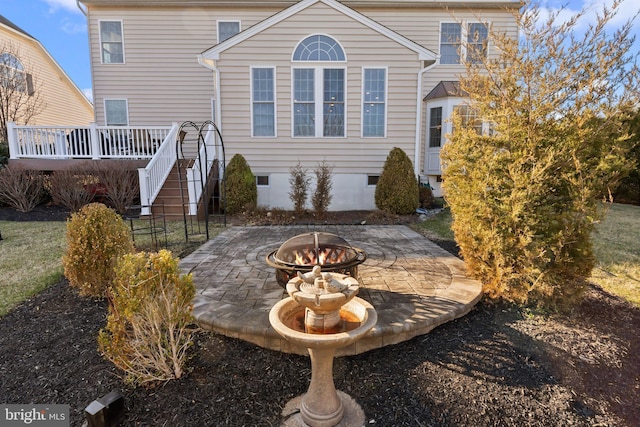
x=144, y=191
x=95, y=141
x=12, y=137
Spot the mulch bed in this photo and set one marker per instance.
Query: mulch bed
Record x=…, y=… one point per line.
x=499, y=365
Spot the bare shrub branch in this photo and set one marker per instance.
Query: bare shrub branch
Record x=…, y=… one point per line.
x=21, y=188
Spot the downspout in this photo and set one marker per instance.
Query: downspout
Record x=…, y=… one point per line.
x=416, y=154
x=213, y=68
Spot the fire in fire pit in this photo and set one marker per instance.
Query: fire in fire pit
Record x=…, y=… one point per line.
x=302, y=252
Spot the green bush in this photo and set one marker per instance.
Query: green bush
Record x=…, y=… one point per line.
x=148, y=328
x=397, y=189
x=241, y=189
x=96, y=238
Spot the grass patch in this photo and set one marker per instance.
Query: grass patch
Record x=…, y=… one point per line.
x=31, y=254
x=616, y=245
x=30, y=259
x=437, y=227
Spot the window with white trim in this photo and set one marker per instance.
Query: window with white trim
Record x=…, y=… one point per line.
x=435, y=127
x=318, y=92
x=111, y=42
x=452, y=48
x=319, y=102
x=263, y=111
x=469, y=118
x=227, y=29
x=116, y=112
x=374, y=90
x=13, y=76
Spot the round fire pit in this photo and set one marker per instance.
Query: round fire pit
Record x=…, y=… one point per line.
x=302, y=252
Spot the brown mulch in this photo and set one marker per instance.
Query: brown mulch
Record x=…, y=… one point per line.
x=500, y=365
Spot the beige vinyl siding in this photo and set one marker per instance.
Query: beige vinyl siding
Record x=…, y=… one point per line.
x=161, y=77
x=63, y=103
x=363, y=48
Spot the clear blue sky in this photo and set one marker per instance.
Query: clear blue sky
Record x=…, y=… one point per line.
x=62, y=29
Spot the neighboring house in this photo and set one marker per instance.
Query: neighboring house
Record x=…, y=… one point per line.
x=294, y=81
x=62, y=103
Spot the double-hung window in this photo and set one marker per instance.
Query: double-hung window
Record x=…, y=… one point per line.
x=374, y=89
x=111, y=42
x=319, y=90
x=263, y=115
x=116, y=112
x=467, y=40
x=227, y=29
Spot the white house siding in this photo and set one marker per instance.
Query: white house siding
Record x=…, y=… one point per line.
x=352, y=157
x=63, y=103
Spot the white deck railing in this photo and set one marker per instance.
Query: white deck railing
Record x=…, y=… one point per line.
x=84, y=142
x=153, y=176
x=209, y=151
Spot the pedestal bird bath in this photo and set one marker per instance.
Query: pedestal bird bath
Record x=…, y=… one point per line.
x=323, y=314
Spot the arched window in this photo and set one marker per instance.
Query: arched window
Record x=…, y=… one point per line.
x=318, y=47
x=12, y=74
x=318, y=90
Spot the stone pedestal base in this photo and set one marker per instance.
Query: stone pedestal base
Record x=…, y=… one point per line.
x=353, y=414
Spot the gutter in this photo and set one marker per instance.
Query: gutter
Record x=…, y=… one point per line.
x=416, y=154
x=84, y=11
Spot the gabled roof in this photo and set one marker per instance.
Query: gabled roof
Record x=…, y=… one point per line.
x=4, y=21
x=444, y=90
x=213, y=53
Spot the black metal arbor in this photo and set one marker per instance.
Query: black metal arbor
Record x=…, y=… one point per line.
x=208, y=167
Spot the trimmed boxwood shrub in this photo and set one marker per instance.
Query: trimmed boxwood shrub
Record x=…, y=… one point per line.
x=96, y=237
x=397, y=189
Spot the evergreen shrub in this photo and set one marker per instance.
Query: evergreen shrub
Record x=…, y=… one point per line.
x=397, y=189
x=299, y=182
x=322, y=194
x=241, y=188
x=96, y=237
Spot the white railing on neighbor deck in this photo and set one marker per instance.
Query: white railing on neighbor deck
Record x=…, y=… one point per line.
x=153, y=176
x=84, y=142
x=195, y=175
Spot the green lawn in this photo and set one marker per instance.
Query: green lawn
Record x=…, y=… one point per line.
x=616, y=245
x=30, y=259
x=31, y=255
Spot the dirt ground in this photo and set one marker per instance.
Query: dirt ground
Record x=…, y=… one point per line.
x=500, y=365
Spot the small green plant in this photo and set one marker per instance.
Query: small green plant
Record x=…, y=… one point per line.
x=22, y=189
x=299, y=182
x=148, y=328
x=96, y=237
x=241, y=188
x=397, y=189
x=322, y=195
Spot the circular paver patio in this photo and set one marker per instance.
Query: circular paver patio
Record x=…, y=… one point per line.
x=413, y=284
